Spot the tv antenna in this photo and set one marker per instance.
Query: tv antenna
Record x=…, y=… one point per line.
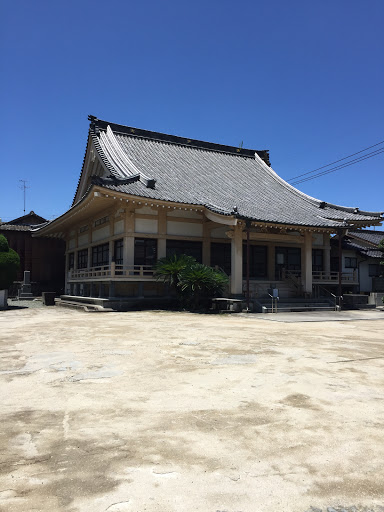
x=24, y=187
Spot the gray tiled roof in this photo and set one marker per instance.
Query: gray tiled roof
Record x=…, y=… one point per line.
x=224, y=179
x=15, y=227
x=350, y=243
x=368, y=235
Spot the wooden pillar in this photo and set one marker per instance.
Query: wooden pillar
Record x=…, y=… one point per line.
x=307, y=262
x=66, y=273
x=327, y=254
x=89, y=258
x=162, y=231
x=129, y=251
x=206, y=245
x=271, y=263
x=340, y=233
x=129, y=240
x=237, y=261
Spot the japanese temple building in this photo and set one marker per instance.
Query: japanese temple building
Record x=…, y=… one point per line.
x=143, y=195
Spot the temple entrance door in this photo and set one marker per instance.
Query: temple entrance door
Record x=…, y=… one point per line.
x=287, y=258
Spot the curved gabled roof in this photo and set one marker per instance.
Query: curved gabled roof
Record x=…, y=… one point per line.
x=224, y=179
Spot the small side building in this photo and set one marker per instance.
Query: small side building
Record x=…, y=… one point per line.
x=43, y=257
x=361, y=254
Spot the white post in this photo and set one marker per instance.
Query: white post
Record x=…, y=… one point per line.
x=237, y=261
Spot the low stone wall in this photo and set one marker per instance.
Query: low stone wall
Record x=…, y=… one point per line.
x=376, y=299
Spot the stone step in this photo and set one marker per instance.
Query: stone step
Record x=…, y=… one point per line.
x=297, y=309
x=88, y=308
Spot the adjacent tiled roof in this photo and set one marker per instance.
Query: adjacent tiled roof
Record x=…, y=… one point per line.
x=30, y=219
x=225, y=179
x=351, y=244
x=14, y=227
x=368, y=235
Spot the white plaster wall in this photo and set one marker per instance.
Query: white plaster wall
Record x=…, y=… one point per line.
x=318, y=239
x=99, y=234
x=184, y=228
x=148, y=226
x=146, y=210
x=220, y=232
x=119, y=227
x=365, y=280
x=83, y=239
x=72, y=243
x=185, y=214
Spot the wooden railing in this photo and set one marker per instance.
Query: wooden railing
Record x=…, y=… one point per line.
x=319, y=276
x=112, y=271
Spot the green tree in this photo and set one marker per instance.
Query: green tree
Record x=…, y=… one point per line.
x=9, y=265
x=190, y=280
x=200, y=281
x=168, y=269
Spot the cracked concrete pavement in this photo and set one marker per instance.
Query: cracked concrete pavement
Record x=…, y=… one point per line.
x=163, y=412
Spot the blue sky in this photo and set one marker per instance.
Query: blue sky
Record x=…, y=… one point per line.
x=302, y=79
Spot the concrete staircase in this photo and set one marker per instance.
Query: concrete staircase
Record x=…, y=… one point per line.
x=260, y=289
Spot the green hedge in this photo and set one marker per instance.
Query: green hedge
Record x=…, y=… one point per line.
x=9, y=264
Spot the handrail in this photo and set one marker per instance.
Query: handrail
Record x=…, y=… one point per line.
x=337, y=298
x=274, y=303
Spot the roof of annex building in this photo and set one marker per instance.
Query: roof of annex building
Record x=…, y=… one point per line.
x=26, y=222
x=355, y=245
x=368, y=235
x=226, y=180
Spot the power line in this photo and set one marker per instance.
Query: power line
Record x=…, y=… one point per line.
x=336, y=161
x=334, y=169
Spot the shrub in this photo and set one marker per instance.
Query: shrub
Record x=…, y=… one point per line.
x=192, y=281
x=9, y=264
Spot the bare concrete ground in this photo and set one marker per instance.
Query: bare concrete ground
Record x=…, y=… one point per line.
x=166, y=412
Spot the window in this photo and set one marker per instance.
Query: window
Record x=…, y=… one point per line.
x=194, y=249
x=83, y=229
x=317, y=259
x=221, y=256
x=103, y=220
x=71, y=261
x=82, y=258
x=350, y=262
x=118, y=252
x=100, y=255
x=375, y=270
x=145, y=251
x=257, y=261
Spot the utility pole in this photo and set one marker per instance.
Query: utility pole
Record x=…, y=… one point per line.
x=24, y=187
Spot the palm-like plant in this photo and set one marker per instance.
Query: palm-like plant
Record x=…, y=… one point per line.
x=168, y=269
x=190, y=280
